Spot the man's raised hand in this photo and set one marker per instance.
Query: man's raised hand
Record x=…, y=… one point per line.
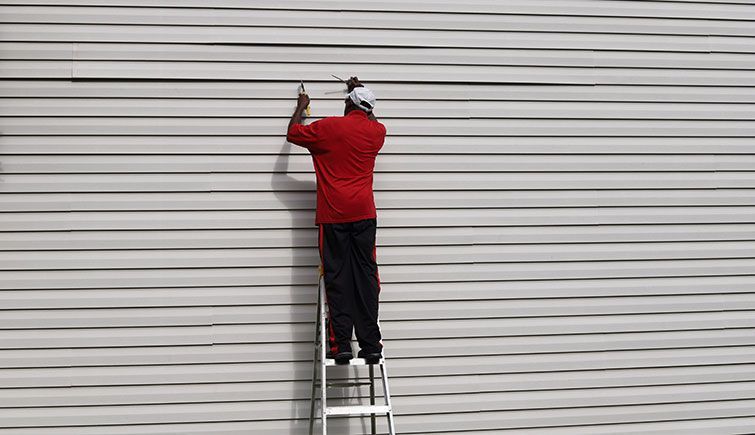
x=353, y=82
x=303, y=101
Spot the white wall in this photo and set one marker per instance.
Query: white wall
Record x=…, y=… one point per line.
x=566, y=197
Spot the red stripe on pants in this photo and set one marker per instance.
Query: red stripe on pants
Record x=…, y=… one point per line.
x=331, y=333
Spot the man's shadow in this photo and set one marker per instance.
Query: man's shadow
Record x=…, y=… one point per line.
x=288, y=188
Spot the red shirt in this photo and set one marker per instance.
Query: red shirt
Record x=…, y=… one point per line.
x=343, y=150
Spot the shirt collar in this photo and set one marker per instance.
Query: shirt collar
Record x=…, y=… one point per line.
x=357, y=112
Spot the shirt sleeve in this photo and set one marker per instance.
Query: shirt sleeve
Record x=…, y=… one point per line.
x=308, y=136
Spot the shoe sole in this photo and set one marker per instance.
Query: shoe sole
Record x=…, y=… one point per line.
x=343, y=358
x=373, y=359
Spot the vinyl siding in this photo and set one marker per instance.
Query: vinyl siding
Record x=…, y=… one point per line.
x=565, y=235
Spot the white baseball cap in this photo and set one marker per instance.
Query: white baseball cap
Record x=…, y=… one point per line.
x=363, y=98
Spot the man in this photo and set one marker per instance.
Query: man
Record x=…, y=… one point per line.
x=343, y=150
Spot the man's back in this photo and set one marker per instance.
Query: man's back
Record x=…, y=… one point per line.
x=343, y=151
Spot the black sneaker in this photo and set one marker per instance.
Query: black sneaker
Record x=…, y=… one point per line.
x=340, y=357
x=371, y=357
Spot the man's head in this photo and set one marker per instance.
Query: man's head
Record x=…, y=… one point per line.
x=360, y=98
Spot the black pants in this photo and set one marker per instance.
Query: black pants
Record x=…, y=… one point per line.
x=352, y=284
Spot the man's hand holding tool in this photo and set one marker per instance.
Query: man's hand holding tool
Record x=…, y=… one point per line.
x=302, y=108
x=353, y=82
x=303, y=102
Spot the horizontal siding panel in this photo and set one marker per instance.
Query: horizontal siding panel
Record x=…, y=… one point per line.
x=388, y=236
x=220, y=353
x=691, y=427
x=432, y=145
x=397, y=55
x=55, y=221
x=270, y=238
x=404, y=311
x=35, y=50
x=438, y=181
x=394, y=292
x=382, y=72
x=278, y=391
x=389, y=255
x=612, y=233
x=258, y=353
x=304, y=200
x=233, y=108
x=402, y=73
x=407, y=56
x=388, y=199
x=437, y=127
x=376, y=37
x=262, y=410
x=480, y=402
x=377, y=20
x=256, y=257
x=299, y=163
x=240, y=355
x=323, y=89
x=389, y=274
x=572, y=7
x=36, y=69
x=609, y=366
x=207, y=108
x=202, y=412
x=491, y=327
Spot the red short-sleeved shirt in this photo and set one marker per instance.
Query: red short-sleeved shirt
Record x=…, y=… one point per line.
x=343, y=150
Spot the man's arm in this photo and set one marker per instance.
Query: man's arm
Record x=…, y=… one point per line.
x=306, y=136
x=301, y=107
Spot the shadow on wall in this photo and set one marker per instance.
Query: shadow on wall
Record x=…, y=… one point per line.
x=303, y=244
x=285, y=187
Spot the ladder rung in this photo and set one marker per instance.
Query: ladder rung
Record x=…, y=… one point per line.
x=347, y=384
x=358, y=410
x=353, y=362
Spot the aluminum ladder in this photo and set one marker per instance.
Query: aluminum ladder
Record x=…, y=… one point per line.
x=321, y=364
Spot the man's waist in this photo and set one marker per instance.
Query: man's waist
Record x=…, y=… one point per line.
x=325, y=218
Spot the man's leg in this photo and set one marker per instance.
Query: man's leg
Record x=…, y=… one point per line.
x=366, y=286
x=335, y=245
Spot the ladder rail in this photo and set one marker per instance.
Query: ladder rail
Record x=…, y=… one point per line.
x=314, y=372
x=320, y=354
x=387, y=396
x=373, y=419
x=323, y=370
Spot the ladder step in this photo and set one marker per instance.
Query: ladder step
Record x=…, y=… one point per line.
x=347, y=384
x=353, y=362
x=358, y=410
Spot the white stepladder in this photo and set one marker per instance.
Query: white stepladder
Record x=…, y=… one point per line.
x=322, y=363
